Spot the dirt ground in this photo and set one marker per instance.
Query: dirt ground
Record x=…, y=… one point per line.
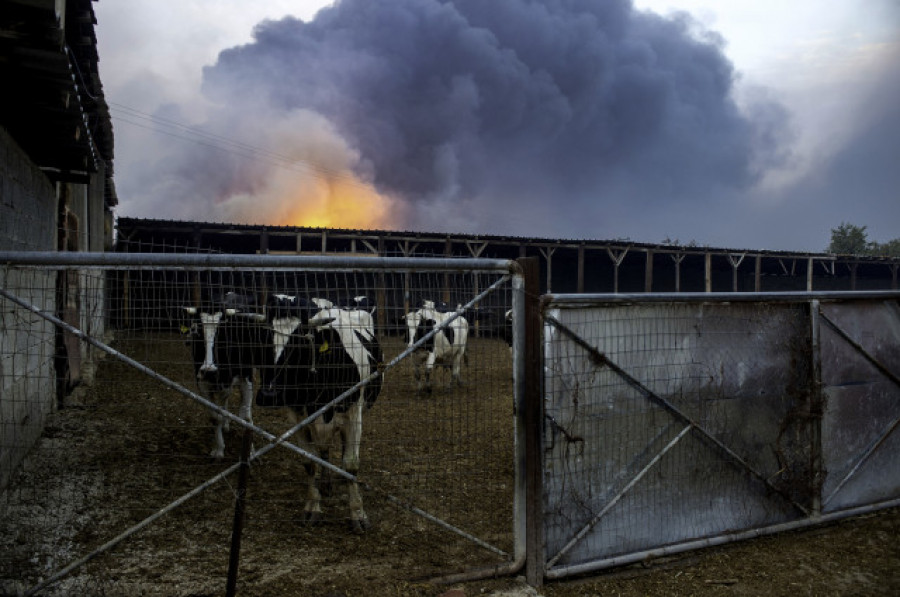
x=128, y=445
x=857, y=556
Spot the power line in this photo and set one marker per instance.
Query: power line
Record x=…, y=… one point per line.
x=198, y=136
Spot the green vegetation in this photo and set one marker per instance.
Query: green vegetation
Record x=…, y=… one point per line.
x=849, y=239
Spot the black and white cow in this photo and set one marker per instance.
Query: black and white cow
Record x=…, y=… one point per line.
x=353, y=303
x=312, y=356
x=222, y=349
x=446, y=348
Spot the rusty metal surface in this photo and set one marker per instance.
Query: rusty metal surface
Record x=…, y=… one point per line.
x=713, y=435
x=860, y=438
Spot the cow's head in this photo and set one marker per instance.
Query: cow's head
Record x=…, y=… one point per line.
x=205, y=323
x=412, y=320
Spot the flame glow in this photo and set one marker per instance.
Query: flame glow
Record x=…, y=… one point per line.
x=320, y=187
x=336, y=203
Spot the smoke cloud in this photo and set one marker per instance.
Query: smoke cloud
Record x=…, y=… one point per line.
x=549, y=118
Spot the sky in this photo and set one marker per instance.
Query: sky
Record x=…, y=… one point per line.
x=755, y=124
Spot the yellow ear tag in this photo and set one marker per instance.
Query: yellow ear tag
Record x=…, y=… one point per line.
x=324, y=347
x=185, y=329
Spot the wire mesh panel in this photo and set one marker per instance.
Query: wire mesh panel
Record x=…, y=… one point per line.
x=113, y=460
x=675, y=424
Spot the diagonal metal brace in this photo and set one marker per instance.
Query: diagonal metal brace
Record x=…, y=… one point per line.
x=875, y=443
x=858, y=347
x=600, y=359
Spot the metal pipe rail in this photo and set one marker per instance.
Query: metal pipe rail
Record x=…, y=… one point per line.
x=576, y=300
x=231, y=261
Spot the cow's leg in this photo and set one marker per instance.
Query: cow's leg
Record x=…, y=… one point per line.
x=417, y=371
x=351, y=436
x=457, y=367
x=218, y=448
x=429, y=367
x=246, y=411
x=312, y=509
x=218, y=421
x=423, y=363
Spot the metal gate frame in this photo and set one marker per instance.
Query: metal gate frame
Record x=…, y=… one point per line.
x=510, y=272
x=819, y=510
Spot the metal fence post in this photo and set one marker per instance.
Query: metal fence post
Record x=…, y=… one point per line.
x=816, y=410
x=533, y=419
x=240, y=504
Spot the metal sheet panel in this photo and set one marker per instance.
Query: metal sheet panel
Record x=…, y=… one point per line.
x=730, y=375
x=860, y=439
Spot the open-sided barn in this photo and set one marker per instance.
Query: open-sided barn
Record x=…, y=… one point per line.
x=566, y=265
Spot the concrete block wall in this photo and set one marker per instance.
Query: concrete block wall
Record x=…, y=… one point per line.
x=28, y=221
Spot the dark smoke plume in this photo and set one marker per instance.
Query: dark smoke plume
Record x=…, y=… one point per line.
x=508, y=116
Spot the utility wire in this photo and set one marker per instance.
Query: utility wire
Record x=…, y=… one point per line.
x=193, y=134
x=212, y=140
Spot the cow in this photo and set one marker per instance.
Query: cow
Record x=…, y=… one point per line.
x=446, y=348
x=312, y=356
x=360, y=309
x=507, y=332
x=222, y=351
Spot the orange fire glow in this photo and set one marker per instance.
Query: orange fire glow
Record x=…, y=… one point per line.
x=336, y=203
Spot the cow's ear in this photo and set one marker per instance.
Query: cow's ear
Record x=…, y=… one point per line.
x=230, y=312
x=190, y=310
x=320, y=319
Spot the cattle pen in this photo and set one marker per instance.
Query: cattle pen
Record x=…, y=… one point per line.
x=614, y=427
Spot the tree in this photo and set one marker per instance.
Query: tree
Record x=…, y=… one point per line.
x=888, y=249
x=848, y=239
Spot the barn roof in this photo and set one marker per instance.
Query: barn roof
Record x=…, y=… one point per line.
x=149, y=226
x=53, y=103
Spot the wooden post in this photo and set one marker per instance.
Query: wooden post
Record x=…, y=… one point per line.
x=809, y=274
x=548, y=252
x=380, y=294
x=707, y=272
x=757, y=274
x=448, y=252
x=648, y=272
x=677, y=258
x=735, y=264
x=580, y=287
x=407, y=251
x=617, y=259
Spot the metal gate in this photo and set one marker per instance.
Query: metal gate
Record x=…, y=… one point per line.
x=680, y=421
x=119, y=494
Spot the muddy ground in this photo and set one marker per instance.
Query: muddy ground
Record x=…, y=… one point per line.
x=127, y=446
